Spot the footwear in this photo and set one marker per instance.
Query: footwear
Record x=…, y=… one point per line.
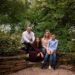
x=42, y=62
x=43, y=65
x=49, y=67
x=54, y=67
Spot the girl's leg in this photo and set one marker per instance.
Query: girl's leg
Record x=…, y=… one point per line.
x=42, y=55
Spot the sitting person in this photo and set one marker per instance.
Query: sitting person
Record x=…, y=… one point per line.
x=45, y=40
x=51, y=52
x=28, y=38
x=35, y=54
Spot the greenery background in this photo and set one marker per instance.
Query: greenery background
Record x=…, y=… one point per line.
x=56, y=15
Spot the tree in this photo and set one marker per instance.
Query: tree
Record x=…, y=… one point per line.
x=12, y=12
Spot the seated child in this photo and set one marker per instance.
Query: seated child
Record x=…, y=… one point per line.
x=51, y=52
x=35, y=54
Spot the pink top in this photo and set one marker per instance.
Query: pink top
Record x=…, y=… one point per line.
x=45, y=42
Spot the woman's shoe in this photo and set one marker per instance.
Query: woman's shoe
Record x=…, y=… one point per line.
x=43, y=65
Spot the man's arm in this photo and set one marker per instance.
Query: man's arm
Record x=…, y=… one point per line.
x=33, y=37
x=25, y=38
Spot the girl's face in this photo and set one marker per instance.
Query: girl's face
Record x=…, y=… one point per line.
x=37, y=39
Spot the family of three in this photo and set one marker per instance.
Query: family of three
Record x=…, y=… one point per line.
x=40, y=48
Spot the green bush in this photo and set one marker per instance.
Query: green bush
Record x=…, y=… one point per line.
x=71, y=43
x=8, y=46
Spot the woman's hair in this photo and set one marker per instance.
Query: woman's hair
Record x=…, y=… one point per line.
x=47, y=31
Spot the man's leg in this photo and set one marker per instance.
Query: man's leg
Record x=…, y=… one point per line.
x=27, y=46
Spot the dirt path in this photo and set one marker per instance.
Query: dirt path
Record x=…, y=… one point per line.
x=63, y=70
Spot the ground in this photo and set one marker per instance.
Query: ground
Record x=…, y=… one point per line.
x=62, y=70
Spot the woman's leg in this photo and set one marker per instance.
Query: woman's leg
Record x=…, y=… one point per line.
x=43, y=50
x=45, y=61
x=46, y=57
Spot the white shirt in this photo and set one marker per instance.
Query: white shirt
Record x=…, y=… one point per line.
x=27, y=36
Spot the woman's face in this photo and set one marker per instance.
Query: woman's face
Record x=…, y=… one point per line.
x=47, y=34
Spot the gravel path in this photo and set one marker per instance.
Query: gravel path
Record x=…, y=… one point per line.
x=63, y=70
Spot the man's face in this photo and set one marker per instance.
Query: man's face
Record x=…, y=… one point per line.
x=29, y=29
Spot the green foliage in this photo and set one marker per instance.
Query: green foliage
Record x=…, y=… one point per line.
x=71, y=43
x=56, y=15
x=12, y=11
x=8, y=45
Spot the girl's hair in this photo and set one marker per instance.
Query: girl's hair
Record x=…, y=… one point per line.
x=40, y=43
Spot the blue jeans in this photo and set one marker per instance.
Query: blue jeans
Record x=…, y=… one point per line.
x=52, y=59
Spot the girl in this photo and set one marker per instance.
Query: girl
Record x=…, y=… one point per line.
x=35, y=54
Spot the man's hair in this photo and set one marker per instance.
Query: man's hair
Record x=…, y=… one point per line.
x=29, y=27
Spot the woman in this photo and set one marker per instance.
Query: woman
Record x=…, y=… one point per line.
x=45, y=40
x=51, y=52
x=35, y=54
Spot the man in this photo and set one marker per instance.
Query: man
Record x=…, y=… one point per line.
x=28, y=38
x=51, y=52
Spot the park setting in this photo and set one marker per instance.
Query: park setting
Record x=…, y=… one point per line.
x=53, y=20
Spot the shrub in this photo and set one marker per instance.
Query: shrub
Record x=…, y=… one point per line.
x=8, y=45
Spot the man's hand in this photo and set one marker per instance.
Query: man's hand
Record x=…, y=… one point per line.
x=31, y=42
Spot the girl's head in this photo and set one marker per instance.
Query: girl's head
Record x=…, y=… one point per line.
x=38, y=39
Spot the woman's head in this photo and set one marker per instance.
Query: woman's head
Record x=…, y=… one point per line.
x=47, y=34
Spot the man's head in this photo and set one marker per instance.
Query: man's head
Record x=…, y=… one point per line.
x=29, y=29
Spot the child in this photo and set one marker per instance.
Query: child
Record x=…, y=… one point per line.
x=51, y=52
x=35, y=54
